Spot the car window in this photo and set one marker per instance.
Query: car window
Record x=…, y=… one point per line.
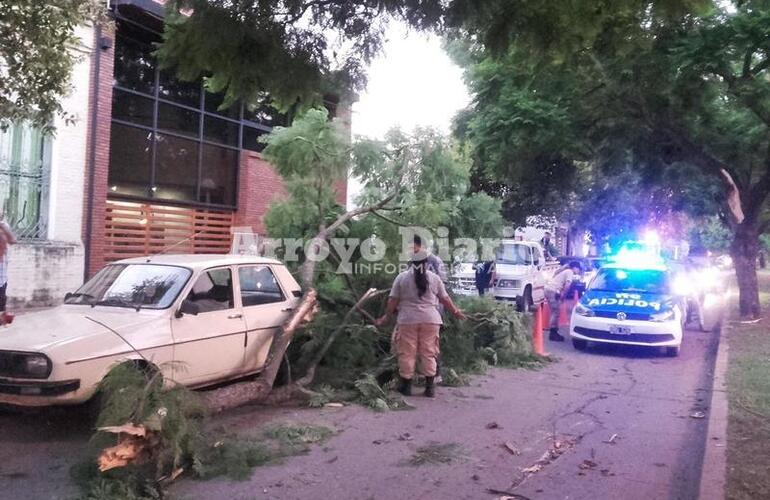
x=213, y=291
x=259, y=286
x=132, y=285
x=514, y=254
x=631, y=280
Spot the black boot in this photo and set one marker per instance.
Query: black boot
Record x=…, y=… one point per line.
x=405, y=386
x=555, y=335
x=430, y=389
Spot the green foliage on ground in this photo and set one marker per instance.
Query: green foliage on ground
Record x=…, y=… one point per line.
x=360, y=366
x=186, y=444
x=437, y=454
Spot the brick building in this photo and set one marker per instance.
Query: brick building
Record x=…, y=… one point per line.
x=151, y=165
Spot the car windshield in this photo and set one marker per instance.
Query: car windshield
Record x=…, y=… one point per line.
x=518, y=255
x=132, y=285
x=631, y=280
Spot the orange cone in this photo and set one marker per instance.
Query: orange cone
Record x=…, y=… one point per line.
x=563, y=314
x=546, y=312
x=537, y=331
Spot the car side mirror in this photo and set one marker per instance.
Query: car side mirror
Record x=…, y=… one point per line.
x=188, y=307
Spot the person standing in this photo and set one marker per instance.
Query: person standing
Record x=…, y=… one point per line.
x=484, y=276
x=416, y=294
x=433, y=263
x=555, y=292
x=7, y=238
x=549, y=249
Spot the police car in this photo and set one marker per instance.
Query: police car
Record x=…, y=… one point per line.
x=632, y=302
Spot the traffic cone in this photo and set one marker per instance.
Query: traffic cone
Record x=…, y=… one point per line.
x=546, y=312
x=563, y=314
x=537, y=331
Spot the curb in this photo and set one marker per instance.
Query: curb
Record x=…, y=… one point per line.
x=713, y=477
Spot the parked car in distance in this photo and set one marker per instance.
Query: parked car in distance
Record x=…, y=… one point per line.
x=521, y=271
x=199, y=319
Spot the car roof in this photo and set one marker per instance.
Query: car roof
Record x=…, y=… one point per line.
x=199, y=261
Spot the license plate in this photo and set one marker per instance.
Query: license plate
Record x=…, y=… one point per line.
x=620, y=330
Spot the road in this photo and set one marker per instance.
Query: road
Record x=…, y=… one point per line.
x=645, y=404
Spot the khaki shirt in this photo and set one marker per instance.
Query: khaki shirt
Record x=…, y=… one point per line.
x=413, y=309
x=559, y=281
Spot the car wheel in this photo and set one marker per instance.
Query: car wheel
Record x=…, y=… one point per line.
x=580, y=344
x=525, y=303
x=672, y=352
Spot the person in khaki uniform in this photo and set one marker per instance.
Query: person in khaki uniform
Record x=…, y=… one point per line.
x=555, y=292
x=416, y=294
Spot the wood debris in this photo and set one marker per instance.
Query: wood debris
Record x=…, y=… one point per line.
x=511, y=448
x=135, y=444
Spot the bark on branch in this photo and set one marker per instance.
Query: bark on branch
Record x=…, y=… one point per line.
x=238, y=394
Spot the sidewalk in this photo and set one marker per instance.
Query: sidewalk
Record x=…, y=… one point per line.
x=608, y=423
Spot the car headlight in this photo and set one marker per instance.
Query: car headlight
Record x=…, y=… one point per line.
x=663, y=316
x=503, y=283
x=36, y=366
x=583, y=310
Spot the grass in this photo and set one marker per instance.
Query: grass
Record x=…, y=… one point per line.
x=436, y=454
x=748, y=428
x=297, y=436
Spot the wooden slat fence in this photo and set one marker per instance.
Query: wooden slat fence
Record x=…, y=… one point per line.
x=138, y=229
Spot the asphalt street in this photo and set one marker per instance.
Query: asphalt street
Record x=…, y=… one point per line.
x=607, y=423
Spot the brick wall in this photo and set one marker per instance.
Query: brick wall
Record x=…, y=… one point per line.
x=103, y=107
x=258, y=186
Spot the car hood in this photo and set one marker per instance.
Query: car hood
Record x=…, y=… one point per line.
x=646, y=303
x=511, y=270
x=40, y=331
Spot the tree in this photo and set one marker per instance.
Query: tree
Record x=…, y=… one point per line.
x=36, y=57
x=654, y=86
x=295, y=50
x=418, y=179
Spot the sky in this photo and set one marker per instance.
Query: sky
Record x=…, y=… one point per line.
x=412, y=83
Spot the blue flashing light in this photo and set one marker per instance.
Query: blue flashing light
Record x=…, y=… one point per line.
x=637, y=258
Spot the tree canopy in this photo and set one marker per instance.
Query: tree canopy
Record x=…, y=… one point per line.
x=36, y=57
x=295, y=50
x=651, y=87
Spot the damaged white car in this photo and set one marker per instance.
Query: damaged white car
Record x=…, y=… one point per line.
x=199, y=319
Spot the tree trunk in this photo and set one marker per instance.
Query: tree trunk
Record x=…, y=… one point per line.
x=743, y=250
x=241, y=393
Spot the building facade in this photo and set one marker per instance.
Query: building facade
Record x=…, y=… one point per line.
x=151, y=165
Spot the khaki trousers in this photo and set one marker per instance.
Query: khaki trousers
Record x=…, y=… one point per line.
x=417, y=341
x=554, y=304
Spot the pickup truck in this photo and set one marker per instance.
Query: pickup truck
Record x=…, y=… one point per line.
x=521, y=271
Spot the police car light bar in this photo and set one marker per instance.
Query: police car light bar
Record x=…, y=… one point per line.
x=637, y=258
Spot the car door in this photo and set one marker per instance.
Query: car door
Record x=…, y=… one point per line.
x=266, y=306
x=209, y=345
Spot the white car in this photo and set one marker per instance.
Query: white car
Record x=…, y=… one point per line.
x=199, y=319
x=521, y=271
x=634, y=306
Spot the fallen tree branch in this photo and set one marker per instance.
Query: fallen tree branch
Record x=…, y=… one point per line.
x=310, y=373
